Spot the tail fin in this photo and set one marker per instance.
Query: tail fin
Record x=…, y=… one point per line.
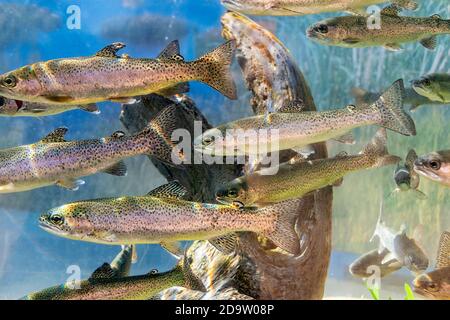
x=377, y=150
x=159, y=135
x=217, y=69
x=393, y=116
x=283, y=233
x=360, y=96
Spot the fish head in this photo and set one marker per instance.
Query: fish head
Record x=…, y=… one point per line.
x=236, y=192
x=330, y=32
x=434, y=166
x=402, y=178
x=434, y=285
x=20, y=84
x=410, y=254
x=212, y=142
x=69, y=221
x=427, y=86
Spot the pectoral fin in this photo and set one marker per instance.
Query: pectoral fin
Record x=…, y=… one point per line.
x=347, y=138
x=59, y=99
x=392, y=47
x=92, y=108
x=225, y=244
x=429, y=43
x=174, y=248
x=123, y=100
x=117, y=169
x=70, y=184
x=389, y=258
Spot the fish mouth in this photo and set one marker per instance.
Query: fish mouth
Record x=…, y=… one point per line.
x=421, y=170
x=310, y=33
x=51, y=229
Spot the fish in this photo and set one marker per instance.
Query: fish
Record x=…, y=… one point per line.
x=53, y=160
x=290, y=128
x=107, y=284
x=354, y=32
x=304, y=7
x=164, y=217
x=295, y=180
x=406, y=178
x=363, y=266
x=16, y=108
x=436, y=284
x=435, y=86
x=412, y=98
x=107, y=76
x=434, y=166
x=401, y=248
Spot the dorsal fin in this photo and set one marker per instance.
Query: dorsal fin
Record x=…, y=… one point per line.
x=171, y=190
x=103, y=272
x=171, y=52
x=292, y=107
x=55, y=136
x=110, y=51
x=391, y=10
x=443, y=256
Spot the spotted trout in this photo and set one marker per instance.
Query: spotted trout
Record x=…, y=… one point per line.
x=412, y=98
x=435, y=86
x=53, y=160
x=164, y=217
x=16, y=108
x=107, y=76
x=436, y=284
x=291, y=128
x=294, y=180
x=435, y=166
x=106, y=284
x=393, y=30
x=303, y=7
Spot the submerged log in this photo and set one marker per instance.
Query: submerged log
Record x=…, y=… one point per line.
x=273, y=77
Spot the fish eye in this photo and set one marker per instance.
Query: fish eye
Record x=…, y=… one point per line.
x=10, y=81
x=208, y=140
x=57, y=219
x=322, y=28
x=232, y=193
x=434, y=164
x=154, y=271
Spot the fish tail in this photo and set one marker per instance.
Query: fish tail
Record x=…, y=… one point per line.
x=216, y=69
x=283, y=232
x=159, y=135
x=377, y=149
x=390, y=107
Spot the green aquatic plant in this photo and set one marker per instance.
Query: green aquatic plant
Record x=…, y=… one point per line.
x=409, y=292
